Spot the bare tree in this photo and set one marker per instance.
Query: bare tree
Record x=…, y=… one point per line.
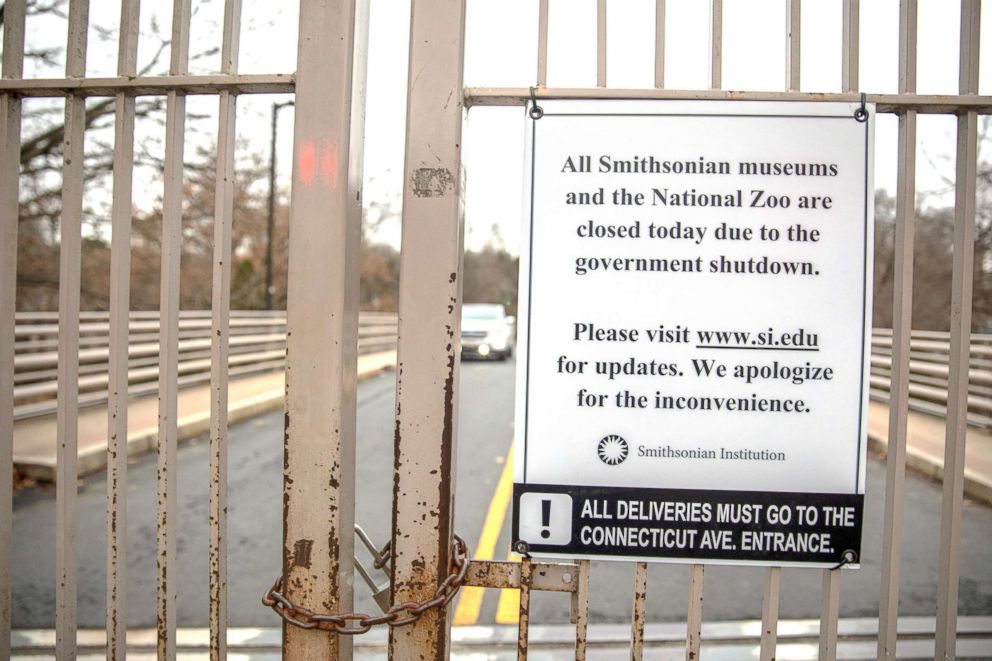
x=41, y=162
x=934, y=248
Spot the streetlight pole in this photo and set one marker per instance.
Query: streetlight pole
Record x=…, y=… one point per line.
x=270, y=228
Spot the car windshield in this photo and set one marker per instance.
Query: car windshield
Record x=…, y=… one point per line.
x=482, y=312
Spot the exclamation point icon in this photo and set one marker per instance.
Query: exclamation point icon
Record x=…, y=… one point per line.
x=545, y=519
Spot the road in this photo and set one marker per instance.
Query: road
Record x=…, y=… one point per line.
x=485, y=431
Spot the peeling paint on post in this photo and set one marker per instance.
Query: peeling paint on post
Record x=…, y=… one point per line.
x=429, y=327
x=638, y=611
x=523, y=617
x=322, y=324
x=432, y=182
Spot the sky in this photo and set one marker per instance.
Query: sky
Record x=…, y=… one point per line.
x=501, y=47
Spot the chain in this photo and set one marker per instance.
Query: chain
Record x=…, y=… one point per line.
x=398, y=615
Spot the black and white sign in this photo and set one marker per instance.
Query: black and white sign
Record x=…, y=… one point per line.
x=694, y=319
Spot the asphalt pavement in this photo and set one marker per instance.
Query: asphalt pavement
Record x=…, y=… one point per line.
x=485, y=431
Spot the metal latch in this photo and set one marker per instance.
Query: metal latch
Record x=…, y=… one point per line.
x=382, y=592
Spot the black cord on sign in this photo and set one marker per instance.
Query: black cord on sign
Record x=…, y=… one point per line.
x=848, y=557
x=861, y=114
x=536, y=112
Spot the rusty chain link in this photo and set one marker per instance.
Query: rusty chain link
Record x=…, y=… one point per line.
x=398, y=615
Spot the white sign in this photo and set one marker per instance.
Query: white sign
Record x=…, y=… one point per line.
x=695, y=308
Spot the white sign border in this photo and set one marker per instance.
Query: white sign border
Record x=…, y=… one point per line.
x=757, y=109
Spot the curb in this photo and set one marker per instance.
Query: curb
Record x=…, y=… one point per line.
x=94, y=458
x=730, y=640
x=976, y=486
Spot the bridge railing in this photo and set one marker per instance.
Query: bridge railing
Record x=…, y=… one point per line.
x=257, y=344
x=928, y=370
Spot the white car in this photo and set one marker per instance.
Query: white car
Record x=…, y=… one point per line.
x=487, y=331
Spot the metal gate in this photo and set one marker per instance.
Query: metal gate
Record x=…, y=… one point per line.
x=428, y=563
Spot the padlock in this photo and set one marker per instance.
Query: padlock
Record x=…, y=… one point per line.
x=381, y=593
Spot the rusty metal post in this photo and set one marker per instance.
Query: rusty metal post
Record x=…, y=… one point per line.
x=580, y=610
x=220, y=337
x=168, y=407
x=430, y=322
x=322, y=333
x=638, y=611
x=120, y=315
x=523, y=619
x=694, y=616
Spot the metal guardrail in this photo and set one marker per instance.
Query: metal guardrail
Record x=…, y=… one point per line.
x=928, y=370
x=257, y=344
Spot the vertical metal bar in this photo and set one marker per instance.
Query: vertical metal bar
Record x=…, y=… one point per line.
x=322, y=358
x=828, y=621
x=542, y=44
x=902, y=317
x=792, y=43
x=580, y=610
x=694, y=619
x=70, y=257
x=850, y=36
x=220, y=327
x=638, y=611
x=120, y=306
x=961, y=300
x=793, y=60
x=356, y=166
x=769, y=613
x=270, y=224
x=716, y=44
x=659, y=43
x=175, y=122
x=429, y=323
x=829, y=611
x=523, y=620
x=10, y=168
x=601, y=43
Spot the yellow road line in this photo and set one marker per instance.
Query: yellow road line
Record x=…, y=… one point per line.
x=470, y=599
x=508, y=608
